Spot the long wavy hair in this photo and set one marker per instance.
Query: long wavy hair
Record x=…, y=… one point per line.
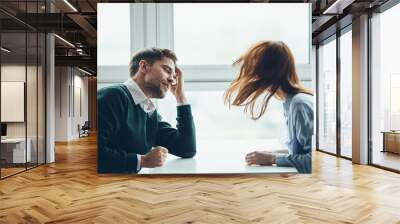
x=266, y=67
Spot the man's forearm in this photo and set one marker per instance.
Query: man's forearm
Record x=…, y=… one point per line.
x=180, y=141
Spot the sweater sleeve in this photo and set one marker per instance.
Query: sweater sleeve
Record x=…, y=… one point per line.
x=111, y=112
x=180, y=141
x=303, y=126
x=302, y=162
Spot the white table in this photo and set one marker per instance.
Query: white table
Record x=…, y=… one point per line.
x=221, y=157
x=18, y=148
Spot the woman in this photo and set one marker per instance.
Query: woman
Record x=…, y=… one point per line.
x=268, y=69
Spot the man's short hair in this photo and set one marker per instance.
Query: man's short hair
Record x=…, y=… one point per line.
x=150, y=55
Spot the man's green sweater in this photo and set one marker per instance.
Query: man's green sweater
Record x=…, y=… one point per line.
x=125, y=130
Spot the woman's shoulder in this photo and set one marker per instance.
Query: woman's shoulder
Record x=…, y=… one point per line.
x=302, y=101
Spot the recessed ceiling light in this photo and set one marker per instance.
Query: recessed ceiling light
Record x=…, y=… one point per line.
x=338, y=6
x=84, y=71
x=70, y=5
x=5, y=49
x=64, y=40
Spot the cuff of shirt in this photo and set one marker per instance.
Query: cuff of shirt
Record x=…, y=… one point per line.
x=183, y=103
x=138, y=162
x=282, y=160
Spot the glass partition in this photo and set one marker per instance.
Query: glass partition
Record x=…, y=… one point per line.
x=327, y=97
x=22, y=77
x=13, y=105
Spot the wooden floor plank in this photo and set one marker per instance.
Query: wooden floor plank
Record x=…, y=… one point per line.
x=71, y=191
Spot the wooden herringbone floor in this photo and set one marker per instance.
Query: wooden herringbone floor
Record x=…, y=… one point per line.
x=70, y=191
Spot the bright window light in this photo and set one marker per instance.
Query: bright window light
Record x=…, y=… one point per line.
x=204, y=35
x=327, y=98
x=113, y=39
x=214, y=120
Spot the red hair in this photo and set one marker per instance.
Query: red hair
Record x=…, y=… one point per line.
x=265, y=68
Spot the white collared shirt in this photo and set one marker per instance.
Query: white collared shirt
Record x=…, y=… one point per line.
x=139, y=97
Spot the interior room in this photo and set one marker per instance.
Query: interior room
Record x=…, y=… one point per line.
x=57, y=54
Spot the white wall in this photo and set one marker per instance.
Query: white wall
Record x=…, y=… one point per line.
x=33, y=126
x=16, y=73
x=61, y=103
x=70, y=83
x=79, y=117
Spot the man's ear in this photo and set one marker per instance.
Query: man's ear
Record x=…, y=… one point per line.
x=143, y=66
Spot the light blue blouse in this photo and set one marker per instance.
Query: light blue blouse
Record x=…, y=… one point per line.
x=299, y=115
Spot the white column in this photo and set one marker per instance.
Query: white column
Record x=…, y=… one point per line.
x=360, y=90
x=50, y=99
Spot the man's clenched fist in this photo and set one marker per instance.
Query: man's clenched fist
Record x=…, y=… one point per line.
x=156, y=157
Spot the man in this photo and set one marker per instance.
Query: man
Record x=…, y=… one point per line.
x=131, y=134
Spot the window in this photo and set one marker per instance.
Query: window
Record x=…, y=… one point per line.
x=346, y=94
x=385, y=86
x=327, y=97
x=211, y=39
x=394, y=101
x=113, y=34
x=206, y=62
